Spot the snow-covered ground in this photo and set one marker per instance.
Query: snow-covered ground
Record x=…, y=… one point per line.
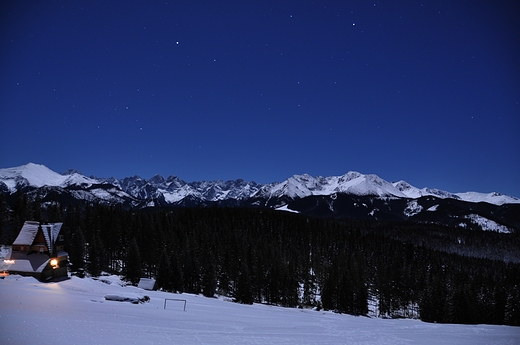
x=75, y=312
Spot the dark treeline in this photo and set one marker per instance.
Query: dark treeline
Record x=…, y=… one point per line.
x=273, y=257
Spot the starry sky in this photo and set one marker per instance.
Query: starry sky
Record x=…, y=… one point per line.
x=423, y=91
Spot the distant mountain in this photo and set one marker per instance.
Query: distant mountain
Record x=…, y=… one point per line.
x=353, y=195
x=36, y=175
x=36, y=179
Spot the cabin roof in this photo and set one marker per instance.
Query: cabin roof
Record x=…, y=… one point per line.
x=22, y=262
x=146, y=284
x=30, y=230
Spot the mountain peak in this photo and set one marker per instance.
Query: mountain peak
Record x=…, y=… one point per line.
x=71, y=172
x=32, y=174
x=351, y=175
x=157, y=179
x=39, y=175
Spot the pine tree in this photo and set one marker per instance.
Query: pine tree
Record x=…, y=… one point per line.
x=7, y=234
x=512, y=307
x=208, y=279
x=22, y=211
x=164, y=273
x=96, y=256
x=243, y=293
x=133, y=263
x=177, y=277
x=77, y=250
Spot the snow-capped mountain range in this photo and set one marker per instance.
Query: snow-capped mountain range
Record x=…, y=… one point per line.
x=173, y=189
x=300, y=186
x=361, y=189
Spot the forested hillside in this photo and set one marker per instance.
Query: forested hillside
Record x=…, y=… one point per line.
x=401, y=269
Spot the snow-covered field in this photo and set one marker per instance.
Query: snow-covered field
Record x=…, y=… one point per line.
x=75, y=312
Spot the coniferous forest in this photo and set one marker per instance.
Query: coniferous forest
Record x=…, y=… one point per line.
x=399, y=269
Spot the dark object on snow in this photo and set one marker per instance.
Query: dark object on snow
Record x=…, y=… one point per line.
x=134, y=300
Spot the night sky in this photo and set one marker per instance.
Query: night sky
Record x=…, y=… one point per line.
x=424, y=91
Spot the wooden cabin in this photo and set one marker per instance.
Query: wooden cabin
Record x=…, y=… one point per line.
x=37, y=251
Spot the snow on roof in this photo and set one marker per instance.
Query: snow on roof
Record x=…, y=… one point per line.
x=30, y=229
x=146, y=284
x=27, y=233
x=21, y=262
x=52, y=229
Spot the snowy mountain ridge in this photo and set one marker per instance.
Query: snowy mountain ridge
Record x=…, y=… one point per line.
x=299, y=186
x=38, y=175
x=172, y=189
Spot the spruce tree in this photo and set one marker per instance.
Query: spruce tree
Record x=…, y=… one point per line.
x=96, y=256
x=164, y=273
x=77, y=250
x=512, y=307
x=208, y=279
x=133, y=263
x=243, y=293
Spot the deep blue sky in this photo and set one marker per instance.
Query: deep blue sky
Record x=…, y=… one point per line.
x=425, y=91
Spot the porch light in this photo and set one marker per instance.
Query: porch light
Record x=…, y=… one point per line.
x=54, y=263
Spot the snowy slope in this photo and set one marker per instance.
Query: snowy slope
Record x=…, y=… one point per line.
x=414, y=192
x=487, y=224
x=491, y=198
x=76, y=312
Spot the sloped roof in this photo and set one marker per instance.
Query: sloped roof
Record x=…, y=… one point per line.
x=26, y=263
x=52, y=229
x=146, y=284
x=27, y=233
x=30, y=229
